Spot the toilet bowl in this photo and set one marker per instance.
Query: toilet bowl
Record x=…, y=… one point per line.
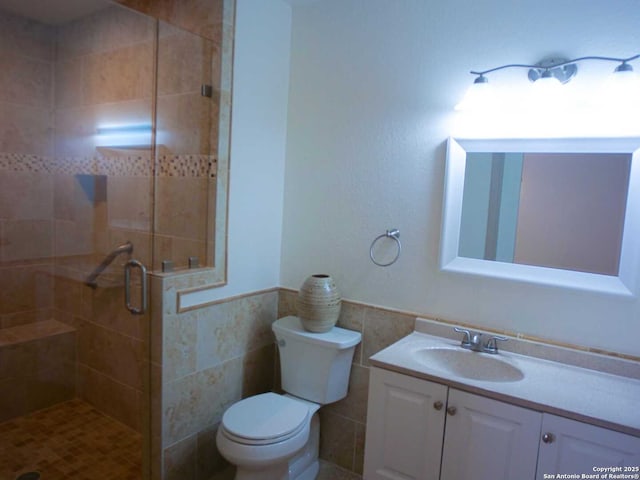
x=277, y=437
x=263, y=433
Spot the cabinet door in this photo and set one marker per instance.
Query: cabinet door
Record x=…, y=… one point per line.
x=489, y=440
x=573, y=447
x=405, y=425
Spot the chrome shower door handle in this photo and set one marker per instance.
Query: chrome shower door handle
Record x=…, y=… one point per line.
x=127, y=287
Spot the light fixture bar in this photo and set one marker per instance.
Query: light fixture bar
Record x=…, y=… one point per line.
x=556, y=65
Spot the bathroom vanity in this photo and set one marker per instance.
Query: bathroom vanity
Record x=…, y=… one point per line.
x=438, y=411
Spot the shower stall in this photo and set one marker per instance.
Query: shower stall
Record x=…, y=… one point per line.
x=111, y=122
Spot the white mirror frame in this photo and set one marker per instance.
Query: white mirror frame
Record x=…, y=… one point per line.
x=627, y=282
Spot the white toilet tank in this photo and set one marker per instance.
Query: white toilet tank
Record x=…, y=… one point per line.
x=314, y=366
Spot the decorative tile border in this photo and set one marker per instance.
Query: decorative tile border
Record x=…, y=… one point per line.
x=137, y=165
x=15, y=162
x=187, y=166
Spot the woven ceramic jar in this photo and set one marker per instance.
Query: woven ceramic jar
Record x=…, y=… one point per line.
x=318, y=303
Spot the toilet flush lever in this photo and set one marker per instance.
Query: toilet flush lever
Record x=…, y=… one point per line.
x=281, y=342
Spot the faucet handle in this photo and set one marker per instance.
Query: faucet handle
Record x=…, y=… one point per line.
x=466, y=341
x=492, y=344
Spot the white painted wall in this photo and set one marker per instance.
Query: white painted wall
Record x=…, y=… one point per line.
x=258, y=140
x=373, y=85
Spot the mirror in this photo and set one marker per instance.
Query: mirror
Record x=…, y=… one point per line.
x=554, y=211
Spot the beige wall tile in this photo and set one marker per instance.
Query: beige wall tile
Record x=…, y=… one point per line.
x=27, y=130
x=161, y=250
x=358, y=458
x=36, y=373
x=30, y=38
x=68, y=296
x=113, y=355
x=105, y=307
x=287, y=303
x=180, y=340
x=73, y=238
x=22, y=318
x=330, y=471
x=52, y=385
x=258, y=367
x=156, y=319
x=184, y=123
x=64, y=197
x=26, y=196
x=352, y=318
x=141, y=243
x=25, y=288
x=118, y=27
x=209, y=460
x=184, y=61
x=129, y=202
x=183, y=248
x=181, y=400
x=26, y=81
x=112, y=398
x=232, y=329
x=19, y=359
x=337, y=439
x=224, y=385
x=118, y=75
x=26, y=240
x=12, y=401
x=203, y=17
x=181, y=205
x=107, y=29
x=68, y=84
x=197, y=401
x=180, y=460
x=382, y=328
x=354, y=406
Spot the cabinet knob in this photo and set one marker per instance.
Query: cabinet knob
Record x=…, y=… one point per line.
x=438, y=405
x=452, y=410
x=548, y=438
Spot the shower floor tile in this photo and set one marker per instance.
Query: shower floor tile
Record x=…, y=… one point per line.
x=71, y=440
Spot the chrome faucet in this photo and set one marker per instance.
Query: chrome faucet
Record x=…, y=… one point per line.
x=473, y=341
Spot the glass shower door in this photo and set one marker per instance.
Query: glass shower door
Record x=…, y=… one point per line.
x=76, y=193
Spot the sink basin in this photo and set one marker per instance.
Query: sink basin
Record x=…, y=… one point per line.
x=467, y=364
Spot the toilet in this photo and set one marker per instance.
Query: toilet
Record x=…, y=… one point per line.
x=277, y=437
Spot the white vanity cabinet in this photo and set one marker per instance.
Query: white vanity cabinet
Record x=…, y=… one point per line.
x=406, y=434
x=417, y=429
x=572, y=447
x=405, y=422
x=486, y=439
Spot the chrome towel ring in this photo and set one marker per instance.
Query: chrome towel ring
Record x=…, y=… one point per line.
x=395, y=234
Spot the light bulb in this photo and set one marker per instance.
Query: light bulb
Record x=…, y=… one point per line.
x=545, y=93
x=622, y=88
x=478, y=97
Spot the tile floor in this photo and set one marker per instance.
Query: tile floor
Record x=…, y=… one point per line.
x=71, y=440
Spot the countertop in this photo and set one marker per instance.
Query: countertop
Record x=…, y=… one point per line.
x=590, y=396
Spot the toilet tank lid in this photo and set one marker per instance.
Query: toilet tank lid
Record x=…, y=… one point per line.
x=338, y=338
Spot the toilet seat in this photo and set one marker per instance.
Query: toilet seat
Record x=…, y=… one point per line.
x=265, y=419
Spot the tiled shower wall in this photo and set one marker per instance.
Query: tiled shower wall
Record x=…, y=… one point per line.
x=67, y=198
x=189, y=136
x=26, y=222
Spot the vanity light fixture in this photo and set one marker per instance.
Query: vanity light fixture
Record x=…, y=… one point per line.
x=548, y=76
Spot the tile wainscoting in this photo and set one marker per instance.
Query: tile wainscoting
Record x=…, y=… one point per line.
x=207, y=358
